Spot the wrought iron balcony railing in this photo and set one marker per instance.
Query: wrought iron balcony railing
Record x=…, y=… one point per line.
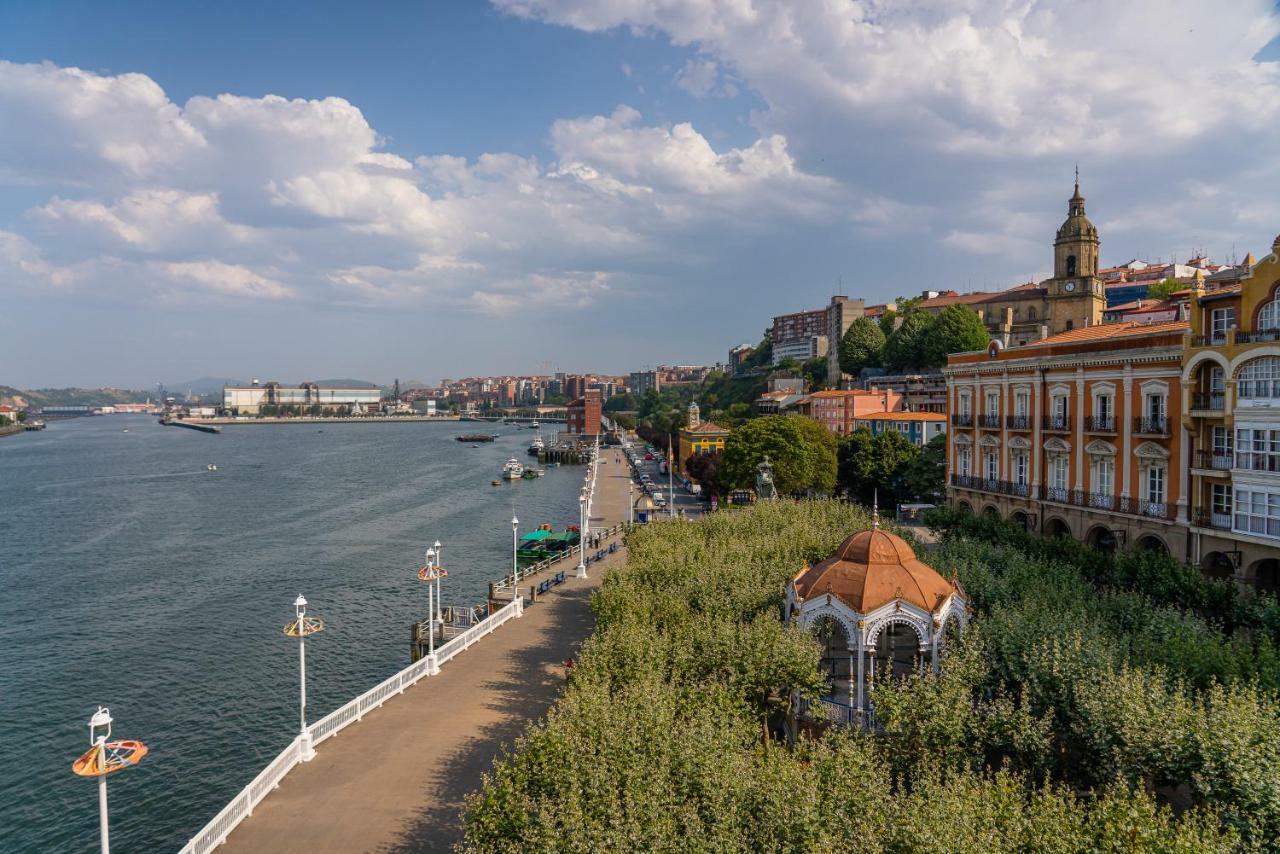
x=1058, y=423
x=1217, y=460
x=1214, y=401
x=989, y=422
x=1151, y=425
x=1018, y=422
x=961, y=419
x=1100, y=423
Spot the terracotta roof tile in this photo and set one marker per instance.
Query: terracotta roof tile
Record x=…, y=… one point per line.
x=1125, y=329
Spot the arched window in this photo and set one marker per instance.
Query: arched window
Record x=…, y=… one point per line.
x=1269, y=316
x=1071, y=265
x=1260, y=377
x=1031, y=312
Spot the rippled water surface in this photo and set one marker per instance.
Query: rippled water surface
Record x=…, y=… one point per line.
x=135, y=578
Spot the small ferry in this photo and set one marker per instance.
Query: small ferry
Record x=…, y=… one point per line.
x=512, y=469
x=533, y=425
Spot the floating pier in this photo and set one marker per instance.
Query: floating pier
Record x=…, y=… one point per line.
x=203, y=428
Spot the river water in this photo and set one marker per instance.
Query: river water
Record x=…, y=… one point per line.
x=135, y=578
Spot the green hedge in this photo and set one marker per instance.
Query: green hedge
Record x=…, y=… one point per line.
x=660, y=740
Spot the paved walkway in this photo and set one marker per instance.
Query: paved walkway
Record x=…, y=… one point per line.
x=395, y=782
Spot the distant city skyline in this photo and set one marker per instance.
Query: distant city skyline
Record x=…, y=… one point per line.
x=294, y=190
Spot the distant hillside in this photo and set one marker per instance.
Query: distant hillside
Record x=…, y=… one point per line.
x=204, y=385
x=346, y=384
x=71, y=396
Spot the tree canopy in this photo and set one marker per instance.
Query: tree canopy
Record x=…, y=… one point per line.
x=801, y=451
x=957, y=329
x=925, y=476
x=875, y=464
x=862, y=346
x=906, y=346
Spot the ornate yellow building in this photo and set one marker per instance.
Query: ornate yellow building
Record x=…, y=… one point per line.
x=1231, y=413
x=699, y=437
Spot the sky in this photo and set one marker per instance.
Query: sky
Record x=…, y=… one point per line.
x=294, y=191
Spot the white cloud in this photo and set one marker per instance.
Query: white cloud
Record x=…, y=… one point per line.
x=229, y=279
x=269, y=198
x=960, y=104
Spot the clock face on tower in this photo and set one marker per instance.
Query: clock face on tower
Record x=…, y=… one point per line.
x=1069, y=287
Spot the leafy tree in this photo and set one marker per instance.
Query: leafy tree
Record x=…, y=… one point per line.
x=905, y=347
x=957, y=329
x=887, y=321
x=862, y=346
x=802, y=459
x=815, y=372
x=4, y=421
x=925, y=476
x=620, y=403
x=871, y=464
x=704, y=469
x=1163, y=289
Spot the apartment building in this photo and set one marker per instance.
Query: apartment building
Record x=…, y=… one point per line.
x=1075, y=435
x=1231, y=413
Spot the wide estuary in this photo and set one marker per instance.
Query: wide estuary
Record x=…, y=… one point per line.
x=136, y=578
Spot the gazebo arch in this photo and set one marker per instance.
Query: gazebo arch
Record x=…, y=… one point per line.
x=886, y=601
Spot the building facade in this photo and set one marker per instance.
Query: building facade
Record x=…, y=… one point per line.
x=800, y=324
x=249, y=400
x=917, y=427
x=1231, y=415
x=698, y=436
x=582, y=416
x=837, y=410
x=1074, y=435
x=800, y=349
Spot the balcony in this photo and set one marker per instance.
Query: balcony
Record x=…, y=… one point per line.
x=1100, y=423
x=1055, y=493
x=983, y=484
x=1110, y=503
x=1151, y=425
x=1211, y=402
x=1257, y=336
x=1056, y=423
x=1220, y=521
x=961, y=419
x=1257, y=461
x=1217, y=339
x=989, y=422
x=1215, y=460
x=1018, y=422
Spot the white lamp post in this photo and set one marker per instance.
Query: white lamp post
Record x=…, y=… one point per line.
x=515, y=569
x=299, y=628
x=432, y=572
x=582, y=536
x=439, y=597
x=631, y=503
x=102, y=758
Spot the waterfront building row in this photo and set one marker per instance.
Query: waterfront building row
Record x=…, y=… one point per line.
x=1162, y=436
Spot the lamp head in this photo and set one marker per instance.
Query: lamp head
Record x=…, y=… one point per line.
x=100, y=725
x=437, y=545
x=300, y=605
x=431, y=556
x=514, y=522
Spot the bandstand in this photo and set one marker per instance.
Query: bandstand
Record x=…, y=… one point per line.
x=879, y=612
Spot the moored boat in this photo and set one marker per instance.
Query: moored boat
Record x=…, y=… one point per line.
x=512, y=469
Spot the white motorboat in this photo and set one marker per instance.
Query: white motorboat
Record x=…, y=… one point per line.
x=512, y=469
x=536, y=446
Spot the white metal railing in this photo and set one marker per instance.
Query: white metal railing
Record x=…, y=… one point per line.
x=241, y=806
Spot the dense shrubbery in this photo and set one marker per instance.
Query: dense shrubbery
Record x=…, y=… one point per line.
x=1059, y=723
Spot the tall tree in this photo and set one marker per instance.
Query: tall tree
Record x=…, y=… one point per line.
x=800, y=457
x=958, y=329
x=862, y=346
x=875, y=464
x=904, y=348
x=704, y=469
x=925, y=476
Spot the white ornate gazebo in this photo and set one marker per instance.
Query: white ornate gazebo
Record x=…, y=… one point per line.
x=877, y=608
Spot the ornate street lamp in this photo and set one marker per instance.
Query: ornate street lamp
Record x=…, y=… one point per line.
x=300, y=627
x=582, y=535
x=432, y=572
x=515, y=569
x=439, y=598
x=103, y=758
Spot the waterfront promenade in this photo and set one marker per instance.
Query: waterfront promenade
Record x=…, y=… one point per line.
x=396, y=781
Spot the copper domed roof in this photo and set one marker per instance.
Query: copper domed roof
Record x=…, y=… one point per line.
x=873, y=568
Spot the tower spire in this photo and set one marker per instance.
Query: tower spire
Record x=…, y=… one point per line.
x=875, y=510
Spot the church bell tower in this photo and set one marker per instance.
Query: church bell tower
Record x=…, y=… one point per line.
x=1076, y=296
